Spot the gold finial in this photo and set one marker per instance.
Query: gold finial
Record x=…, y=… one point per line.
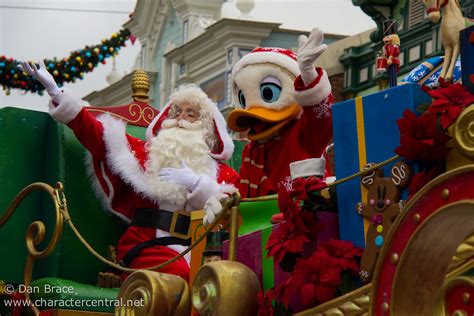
x=140, y=86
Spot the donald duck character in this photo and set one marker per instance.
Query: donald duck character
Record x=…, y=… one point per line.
x=285, y=105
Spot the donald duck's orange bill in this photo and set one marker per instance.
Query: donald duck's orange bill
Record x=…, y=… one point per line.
x=260, y=121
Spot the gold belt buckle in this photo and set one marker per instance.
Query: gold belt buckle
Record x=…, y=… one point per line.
x=174, y=220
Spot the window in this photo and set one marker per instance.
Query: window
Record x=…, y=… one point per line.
x=243, y=52
x=414, y=53
x=428, y=47
x=230, y=56
x=182, y=69
x=416, y=13
x=349, y=76
x=215, y=89
x=374, y=70
x=185, y=30
x=143, y=56
x=364, y=74
x=402, y=58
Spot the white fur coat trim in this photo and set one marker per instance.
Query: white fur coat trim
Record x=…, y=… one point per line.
x=120, y=158
x=279, y=59
x=315, y=95
x=105, y=200
x=68, y=107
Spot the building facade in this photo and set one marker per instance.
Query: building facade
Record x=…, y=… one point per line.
x=420, y=39
x=189, y=41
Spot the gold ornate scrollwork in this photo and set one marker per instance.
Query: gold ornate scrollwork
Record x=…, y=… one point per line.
x=153, y=294
x=225, y=288
x=449, y=284
x=464, y=133
x=138, y=112
x=354, y=303
x=36, y=231
x=463, y=253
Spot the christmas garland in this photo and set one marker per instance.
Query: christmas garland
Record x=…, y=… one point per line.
x=66, y=70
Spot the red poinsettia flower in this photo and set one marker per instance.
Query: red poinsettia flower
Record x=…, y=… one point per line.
x=265, y=306
x=420, y=139
x=345, y=253
x=316, y=278
x=420, y=179
x=292, y=211
x=285, y=239
x=301, y=186
x=285, y=294
x=450, y=102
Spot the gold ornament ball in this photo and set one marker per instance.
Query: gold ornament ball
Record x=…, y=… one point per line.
x=96, y=50
x=55, y=73
x=90, y=65
x=114, y=35
x=66, y=76
x=78, y=58
x=15, y=76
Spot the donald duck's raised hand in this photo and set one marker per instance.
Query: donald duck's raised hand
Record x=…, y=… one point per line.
x=310, y=48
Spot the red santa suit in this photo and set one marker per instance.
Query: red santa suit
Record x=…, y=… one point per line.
x=118, y=164
x=307, y=130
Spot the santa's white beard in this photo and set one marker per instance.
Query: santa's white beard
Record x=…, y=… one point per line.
x=172, y=145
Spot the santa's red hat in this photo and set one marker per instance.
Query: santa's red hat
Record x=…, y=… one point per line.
x=192, y=94
x=284, y=58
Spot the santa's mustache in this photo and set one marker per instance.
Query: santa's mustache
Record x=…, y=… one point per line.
x=170, y=123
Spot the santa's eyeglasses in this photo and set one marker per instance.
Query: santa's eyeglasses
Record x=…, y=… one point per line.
x=187, y=112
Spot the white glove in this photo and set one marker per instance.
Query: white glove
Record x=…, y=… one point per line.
x=42, y=75
x=184, y=176
x=310, y=48
x=213, y=208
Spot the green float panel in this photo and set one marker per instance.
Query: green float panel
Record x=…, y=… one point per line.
x=51, y=293
x=37, y=149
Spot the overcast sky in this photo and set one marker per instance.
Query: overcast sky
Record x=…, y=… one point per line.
x=58, y=27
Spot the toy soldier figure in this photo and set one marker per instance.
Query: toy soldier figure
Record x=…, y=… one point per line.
x=391, y=51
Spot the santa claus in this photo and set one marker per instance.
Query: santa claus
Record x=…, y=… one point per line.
x=153, y=184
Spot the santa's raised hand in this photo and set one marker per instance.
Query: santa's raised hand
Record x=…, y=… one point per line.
x=41, y=74
x=310, y=48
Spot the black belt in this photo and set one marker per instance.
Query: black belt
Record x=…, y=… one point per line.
x=176, y=223
x=162, y=241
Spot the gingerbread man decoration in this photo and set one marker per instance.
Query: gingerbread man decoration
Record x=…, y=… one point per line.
x=383, y=206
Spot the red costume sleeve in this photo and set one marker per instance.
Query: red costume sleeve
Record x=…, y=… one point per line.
x=89, y=131
x=316, y=120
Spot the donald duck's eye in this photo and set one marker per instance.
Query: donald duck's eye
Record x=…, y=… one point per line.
x=270, y=92
x=241, y=99
x=270, y=89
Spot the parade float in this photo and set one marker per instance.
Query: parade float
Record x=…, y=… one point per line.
x=403, y=160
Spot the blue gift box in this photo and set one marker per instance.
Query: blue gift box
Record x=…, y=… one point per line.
x=467, y=57
x=366, y=130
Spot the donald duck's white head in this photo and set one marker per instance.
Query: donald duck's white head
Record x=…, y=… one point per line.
x=263, y=86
